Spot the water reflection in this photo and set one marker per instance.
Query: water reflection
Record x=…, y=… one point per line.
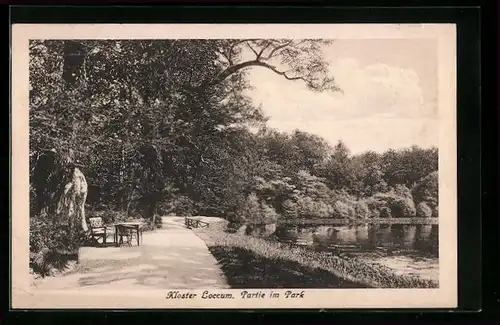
x=414, y=239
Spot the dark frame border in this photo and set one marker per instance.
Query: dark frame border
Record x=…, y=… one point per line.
x=469, y=128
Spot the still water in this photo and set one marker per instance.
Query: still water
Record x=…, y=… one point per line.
x=407, y=249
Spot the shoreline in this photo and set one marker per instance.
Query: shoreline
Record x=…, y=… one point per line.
x=250, y=262
x=375, y=221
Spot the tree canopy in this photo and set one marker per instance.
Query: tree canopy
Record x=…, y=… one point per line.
x=164, y=126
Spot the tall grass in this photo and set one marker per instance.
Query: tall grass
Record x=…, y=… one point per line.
x=344, y=267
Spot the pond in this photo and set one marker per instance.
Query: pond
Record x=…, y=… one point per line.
x=407, y=249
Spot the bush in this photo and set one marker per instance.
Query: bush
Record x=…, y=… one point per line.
x=256, y=212
x=343, y=210
x=182, y=206
x=108, y=216
x=251, y=208
x=375, y=206
x=310, y=208
x=268, y=213
x=289, y=209
x=399, y=206
x=385, y=212
x=51, y=245
x=403, y=208
x=361, y=210
x=435, y=211
x=403, y=191
x=427, y=189
x=423, y=210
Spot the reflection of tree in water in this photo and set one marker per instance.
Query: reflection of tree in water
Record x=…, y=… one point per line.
x=403, y=236
x=409, y=233
x=363, y=236
x=393, y=238
x=300, y=235
x=383, y=235
x=345, y=236
x=427, y=240
x=415, y=238
x=425, y=232
x=305, y=237
x=260, y=230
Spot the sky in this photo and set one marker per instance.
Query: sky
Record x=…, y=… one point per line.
x=389, y=96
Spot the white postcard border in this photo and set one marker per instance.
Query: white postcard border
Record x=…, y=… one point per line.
x=445, y=296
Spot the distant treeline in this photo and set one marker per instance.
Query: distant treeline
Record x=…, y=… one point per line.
x=303, y=177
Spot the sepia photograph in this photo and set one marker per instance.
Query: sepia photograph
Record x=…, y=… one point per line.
x=234, y=166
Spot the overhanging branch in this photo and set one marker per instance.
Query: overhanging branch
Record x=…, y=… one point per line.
x=277, y=48
x=233, y=69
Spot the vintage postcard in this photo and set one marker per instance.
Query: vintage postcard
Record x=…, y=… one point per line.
x=234, y=166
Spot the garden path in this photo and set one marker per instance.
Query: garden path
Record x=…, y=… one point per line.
x=172, y=257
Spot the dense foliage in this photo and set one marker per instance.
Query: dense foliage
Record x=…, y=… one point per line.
x=165, y=126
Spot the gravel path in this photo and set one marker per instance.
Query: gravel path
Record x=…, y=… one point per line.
x=169, y=258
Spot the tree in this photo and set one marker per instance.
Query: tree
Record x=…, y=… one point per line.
x=338, y=169
x=294, y=59
x=311, y=150
x=139, y=113
x=423, y=210
x=368, y=174
x=408, y=166
x=140, y=85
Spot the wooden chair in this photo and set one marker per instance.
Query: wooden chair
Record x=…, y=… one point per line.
x=98, y=230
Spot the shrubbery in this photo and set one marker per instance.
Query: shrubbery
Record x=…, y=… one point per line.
x=403, y=208
x=182, y=205
x=343, y=210
x=361, y=209
x=385, y=212
x=51, y=245
x=312, y=200
x=311, y=208
x=391, y=205
x=257, y=212
x=427, y=190
x=109, y=216
x=289, y=209
x=348, y=206
x=423, y=210
x=435, y=211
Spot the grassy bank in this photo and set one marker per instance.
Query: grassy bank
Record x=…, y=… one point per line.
x=250, y=262
x=375, y=221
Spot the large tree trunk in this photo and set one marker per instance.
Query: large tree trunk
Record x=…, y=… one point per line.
x=71, y=204
x=152, y=207
x=61, y=190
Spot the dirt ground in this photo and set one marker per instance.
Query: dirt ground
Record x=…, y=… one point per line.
x=172, y=257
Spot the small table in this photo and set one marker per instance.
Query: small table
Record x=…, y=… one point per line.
x=136, y=226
